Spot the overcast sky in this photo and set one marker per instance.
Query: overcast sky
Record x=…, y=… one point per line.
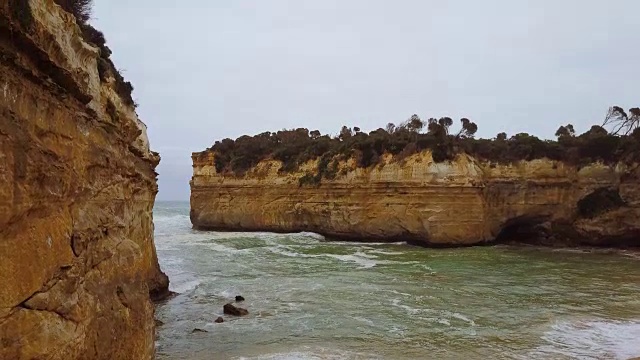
x=204, y=70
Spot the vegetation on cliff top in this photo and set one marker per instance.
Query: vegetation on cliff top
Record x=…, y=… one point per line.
x=295, y=147
x=81, y=10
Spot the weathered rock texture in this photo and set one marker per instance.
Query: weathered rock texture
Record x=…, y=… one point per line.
x=457, y=203
x=77, y=187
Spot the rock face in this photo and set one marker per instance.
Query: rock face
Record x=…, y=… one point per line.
x=458, y=203
x=77, y=187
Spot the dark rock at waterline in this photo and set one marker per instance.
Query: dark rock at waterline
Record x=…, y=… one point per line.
x=196, y=330
x=239, y=298
x=230, y=309
x=219, y=320
x=159, y=322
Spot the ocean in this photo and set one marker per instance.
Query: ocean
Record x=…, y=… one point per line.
x=312, y=298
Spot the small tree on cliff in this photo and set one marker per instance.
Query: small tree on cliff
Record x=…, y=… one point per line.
x=81, y=9
x=620, y=122
x=565, y=131
x=468, y=129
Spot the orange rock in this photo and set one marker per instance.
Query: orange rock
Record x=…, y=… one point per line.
x=77, y=187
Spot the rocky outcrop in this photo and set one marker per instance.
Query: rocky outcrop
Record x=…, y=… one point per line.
x=231, y=309
x=77, y=187
x=457, y=203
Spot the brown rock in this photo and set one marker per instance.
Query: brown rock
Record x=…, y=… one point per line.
x=230, y=309
x=77, y=187
x=463, y=202
x=219, y=320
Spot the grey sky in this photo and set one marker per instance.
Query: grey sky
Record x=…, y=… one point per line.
x=205, y=70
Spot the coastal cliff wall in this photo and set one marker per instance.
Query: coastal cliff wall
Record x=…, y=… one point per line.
x=78, y=265
x=451, y=203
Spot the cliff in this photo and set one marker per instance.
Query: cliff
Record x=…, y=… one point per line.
x=77, y=186
x=452, y=203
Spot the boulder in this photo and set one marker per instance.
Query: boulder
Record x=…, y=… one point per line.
x=239, y=298
x=219, y=320
x=230, y=309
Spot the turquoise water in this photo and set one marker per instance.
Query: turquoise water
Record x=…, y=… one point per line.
x=314, y=299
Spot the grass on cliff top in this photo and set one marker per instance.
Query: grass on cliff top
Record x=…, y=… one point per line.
x=297, y=146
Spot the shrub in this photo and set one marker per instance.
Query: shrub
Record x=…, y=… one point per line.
x=81, y=9
x=297, y=146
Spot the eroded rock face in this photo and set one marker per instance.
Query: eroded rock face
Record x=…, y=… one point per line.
x=77, y=187
x=457, y=203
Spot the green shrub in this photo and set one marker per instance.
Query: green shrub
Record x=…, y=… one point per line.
x=297, y=146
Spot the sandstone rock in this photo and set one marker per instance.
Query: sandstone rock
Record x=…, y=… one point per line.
x=458, y=203
x=77, y=187
x=219, y=320
x=230, y=309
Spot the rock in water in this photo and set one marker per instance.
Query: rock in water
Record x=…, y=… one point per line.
x=219, y=320
x=230, y=309
x=196, y=330
x=239, y=298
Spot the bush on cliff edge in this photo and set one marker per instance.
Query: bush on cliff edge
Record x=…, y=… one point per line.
x=297, y=146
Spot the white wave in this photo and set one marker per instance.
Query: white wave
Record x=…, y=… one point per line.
x=287, y=251
x=407, y=308
x=363, y=262
x=385, y=252
x=312, y=235
x=365, y=244
x=184, y=286
x=307, y=353
x=597, y=339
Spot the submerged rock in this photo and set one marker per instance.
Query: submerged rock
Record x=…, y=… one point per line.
x=219, y=320
x=239, y=298
x=196, y=330
x=230, y=309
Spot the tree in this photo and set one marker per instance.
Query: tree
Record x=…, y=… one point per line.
x=620, y=122
x=414, y=123
x=356, y=129
x=501, y=136
x=81, y=9
x=315, y=134
x=468, y=129
x=596, y=131
x=345, y=133
x=445, y=122
x=565, y=131
x=390, y=128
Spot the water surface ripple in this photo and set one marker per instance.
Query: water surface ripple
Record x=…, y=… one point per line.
x=315, y=299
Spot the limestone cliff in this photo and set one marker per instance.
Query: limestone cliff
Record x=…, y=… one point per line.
x=456, y=203
x=77, y=187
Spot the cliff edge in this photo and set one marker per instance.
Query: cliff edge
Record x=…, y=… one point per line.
x=458, y=202
x=78, y=265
